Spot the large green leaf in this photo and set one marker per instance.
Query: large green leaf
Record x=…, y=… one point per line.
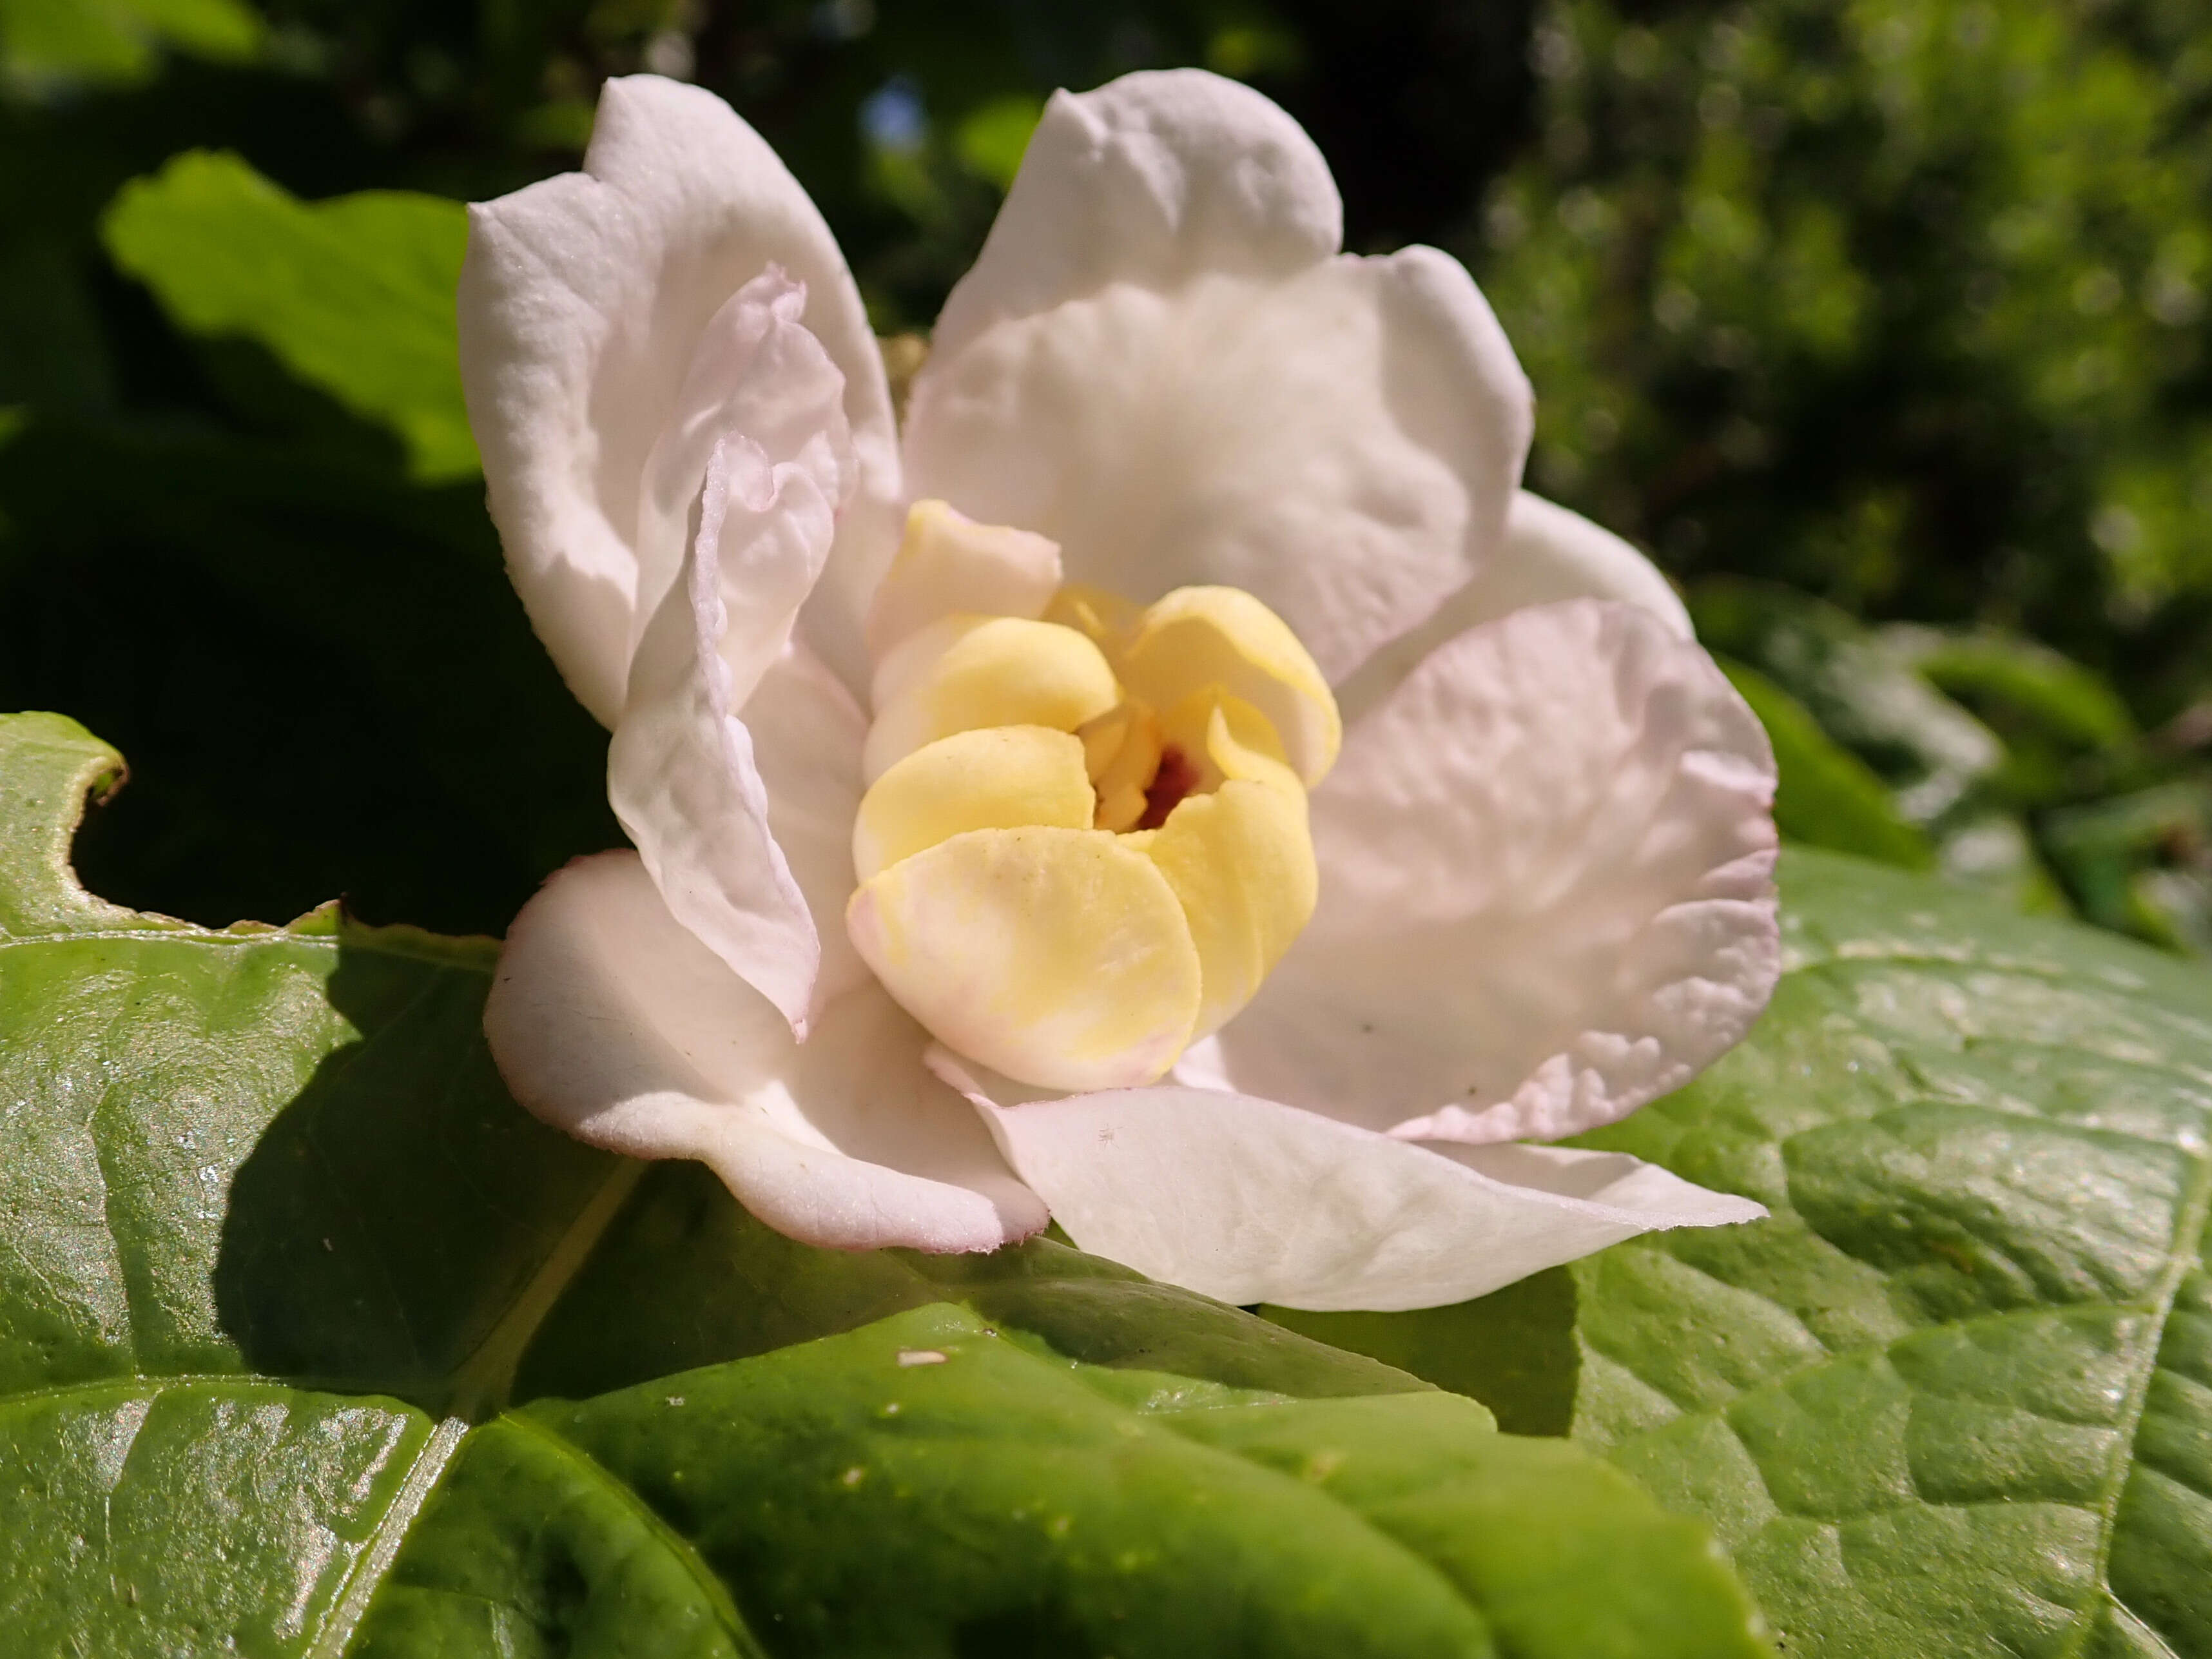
x=312, y=1343
x=355, y=296
x=1956, y=1396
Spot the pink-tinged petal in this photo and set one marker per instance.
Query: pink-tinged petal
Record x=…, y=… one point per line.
x=1549, y=554
x=806, y=733
x=681, y=770
x=757, y=373
x=609, y=1020
x=1161, y=363
x=1248, y=1200
x=1546, y=890
x=947, y=563
x=584, y=302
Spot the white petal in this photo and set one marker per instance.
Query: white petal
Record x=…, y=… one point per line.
x=1547, y=888
x=806, y=733
x=757, y=372
x=1550, y=553
x=1247, y=1201
x=1160, y=363
x=680, y=771
x=609, y=1021
x=583, y=302
x=1154, y=177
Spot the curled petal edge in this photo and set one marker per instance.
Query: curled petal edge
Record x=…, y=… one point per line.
x=1248, y=1200
x=1546, y=890
x=609, y=1022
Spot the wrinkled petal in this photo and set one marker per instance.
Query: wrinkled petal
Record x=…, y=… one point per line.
x=609, y=1020
x=1159, y=363
x=807, y=732
x=1199, y=637
x=1247, y=1201
x=1058, y=956
x=1000, y=778
x=757, y=372
x=1550, y=554
x=963, y=672
x=947, y=562
x=583, y=303
x=1546, y=890
x=681, y=772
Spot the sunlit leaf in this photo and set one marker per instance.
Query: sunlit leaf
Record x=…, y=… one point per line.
x=1955, y=1397
x=355, y=296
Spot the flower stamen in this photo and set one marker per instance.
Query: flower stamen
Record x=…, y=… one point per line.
x=1176, y=779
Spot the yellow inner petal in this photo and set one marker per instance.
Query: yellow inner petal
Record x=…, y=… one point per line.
x=1085, y=841
x=1197, y=637
x=963, y=672
x=1101, y=615
x=1000, y=777
x=1121, y=752
x=1058, y=956
x=947, y=562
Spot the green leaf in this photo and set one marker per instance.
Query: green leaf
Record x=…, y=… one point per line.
x=2001, y=673
x=2142, y=862
x=1119, y=1512
x=1955, y=1397
x=116, y=40
x=289, y=1284
x=1827, y=796
x=355, y=296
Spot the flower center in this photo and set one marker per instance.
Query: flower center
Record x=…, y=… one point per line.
x=1174, y=778
x=1083, y=842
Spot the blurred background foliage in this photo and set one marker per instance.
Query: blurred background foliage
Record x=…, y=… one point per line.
x=1883, y=324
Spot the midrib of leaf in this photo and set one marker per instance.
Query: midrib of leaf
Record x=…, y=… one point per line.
x=481, y=1385
x=486, y=1377
x=368, y=1569
x=392, y=1528
x=136, y=1384
x=2195, y=1217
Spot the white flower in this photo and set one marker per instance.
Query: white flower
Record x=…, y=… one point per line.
x=1544, y=855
